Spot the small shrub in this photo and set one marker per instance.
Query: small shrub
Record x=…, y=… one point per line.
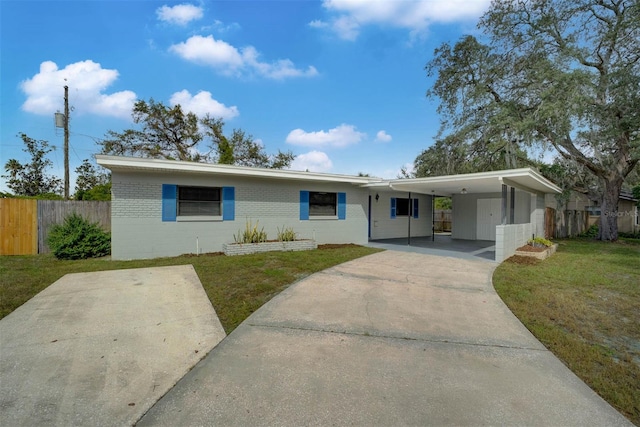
x=250, y=234
x=286, y=234
x=539, y=242
x=591, y=232
x=629, y=235
x=77, y=238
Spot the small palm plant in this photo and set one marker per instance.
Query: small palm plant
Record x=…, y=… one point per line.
x=250, y=234
x=286, y=234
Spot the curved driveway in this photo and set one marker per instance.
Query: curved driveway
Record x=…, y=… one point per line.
x=393, y=338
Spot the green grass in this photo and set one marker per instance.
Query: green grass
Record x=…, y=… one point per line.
x=236, y=286
x=583, y=304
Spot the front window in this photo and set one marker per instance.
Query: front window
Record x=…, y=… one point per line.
x=403, y=207
x=322, y=204
x=199, y=201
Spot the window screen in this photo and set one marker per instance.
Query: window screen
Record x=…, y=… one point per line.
x=199, y=201
x=322, y=204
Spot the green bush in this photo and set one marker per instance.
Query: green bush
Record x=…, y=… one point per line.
x=539, y=242
x=591, y=232
x=629, y=235
x=77, y=238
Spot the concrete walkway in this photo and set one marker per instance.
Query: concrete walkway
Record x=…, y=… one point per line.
x=99, y=349
x=395, y=338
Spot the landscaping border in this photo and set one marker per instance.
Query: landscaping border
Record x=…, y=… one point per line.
x=232, y=249
x=539, y=255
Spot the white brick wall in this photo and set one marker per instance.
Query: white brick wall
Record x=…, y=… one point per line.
x=252, y=248
x=138, y=230
x=511, y=237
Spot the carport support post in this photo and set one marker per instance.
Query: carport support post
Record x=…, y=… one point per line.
x=433, y=217
x=512, y=206
x=409, y=221
x=504, y=204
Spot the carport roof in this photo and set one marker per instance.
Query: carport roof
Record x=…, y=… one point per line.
x=525, y=179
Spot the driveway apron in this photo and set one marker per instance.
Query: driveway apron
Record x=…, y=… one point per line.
x=394, y=338
x=99, y=349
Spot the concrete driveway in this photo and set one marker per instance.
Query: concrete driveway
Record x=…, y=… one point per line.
x=394, y=338
x=99, y=349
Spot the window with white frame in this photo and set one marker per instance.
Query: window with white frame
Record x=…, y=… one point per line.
x=322, y=203
x=199, y=201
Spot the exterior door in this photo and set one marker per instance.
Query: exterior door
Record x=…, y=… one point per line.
x=489, y=214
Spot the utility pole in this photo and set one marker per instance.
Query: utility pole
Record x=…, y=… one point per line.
x=66, y=142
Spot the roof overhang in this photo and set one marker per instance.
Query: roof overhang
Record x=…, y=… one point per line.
x=484, y=182
x=525, y=179
x=134, y=164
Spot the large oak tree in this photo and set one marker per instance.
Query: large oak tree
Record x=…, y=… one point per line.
x=550, y=73
x=170, y=133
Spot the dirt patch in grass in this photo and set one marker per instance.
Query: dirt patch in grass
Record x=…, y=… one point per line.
x=583, y=304
x=336, y=245
x=529, y=248
x=523, y=260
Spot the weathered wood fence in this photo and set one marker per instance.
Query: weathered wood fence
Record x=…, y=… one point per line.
x=569, y=223
x=442, y=220
x=25, y=223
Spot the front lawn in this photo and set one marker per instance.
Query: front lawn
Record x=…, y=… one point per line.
x=583, y=304
x=236, y=286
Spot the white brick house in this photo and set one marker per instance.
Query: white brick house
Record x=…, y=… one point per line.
x=168, y=208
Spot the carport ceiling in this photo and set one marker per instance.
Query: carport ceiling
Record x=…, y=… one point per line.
x=474, y=183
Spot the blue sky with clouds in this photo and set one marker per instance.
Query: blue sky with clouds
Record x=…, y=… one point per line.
x=341, y=83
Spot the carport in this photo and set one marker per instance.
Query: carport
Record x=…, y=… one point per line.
x=505, y=207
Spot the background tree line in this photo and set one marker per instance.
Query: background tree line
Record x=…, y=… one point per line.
x=165, y=133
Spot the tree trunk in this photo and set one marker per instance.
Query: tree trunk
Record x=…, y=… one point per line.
x=608, y=229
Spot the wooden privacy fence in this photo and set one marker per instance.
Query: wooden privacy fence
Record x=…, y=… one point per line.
x=18, y=227
x=442, y=220
x=51, y=212
x=561, y=224
x=25, y=223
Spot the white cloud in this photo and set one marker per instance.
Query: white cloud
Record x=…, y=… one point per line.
x=383, y=136
x=227, y=59
x=415, y=15
x=180, y=14
x=209, y=51
x=313, y=161
x=340, y=136
x=87, y=81
x=202, y=103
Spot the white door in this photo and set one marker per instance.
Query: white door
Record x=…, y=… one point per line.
x=489, y=214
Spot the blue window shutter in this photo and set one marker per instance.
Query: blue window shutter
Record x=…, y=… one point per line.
x=304, y=205
x=169, y=202
x=228, y=203
x=393, y=207
x=415, y=208
x=342, y=205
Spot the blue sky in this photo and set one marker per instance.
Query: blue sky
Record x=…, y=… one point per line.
x=341, y=83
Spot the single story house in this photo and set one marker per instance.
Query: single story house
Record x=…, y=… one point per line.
x=168, y=208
